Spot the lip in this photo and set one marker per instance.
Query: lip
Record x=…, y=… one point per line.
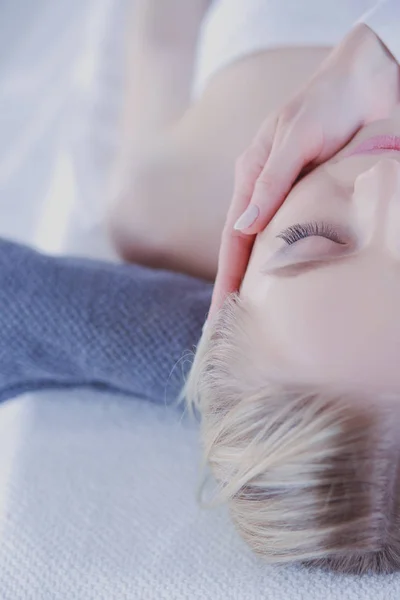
x=377, y=145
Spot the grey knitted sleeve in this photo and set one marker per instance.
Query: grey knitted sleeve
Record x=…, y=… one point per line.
x=68, y=322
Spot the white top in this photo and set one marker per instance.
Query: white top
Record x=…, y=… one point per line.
x=235, y=28
x=384, y=19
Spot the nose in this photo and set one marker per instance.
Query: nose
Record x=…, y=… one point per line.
x=377, y=201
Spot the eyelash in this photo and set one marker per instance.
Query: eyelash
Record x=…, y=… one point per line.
x=293, y=234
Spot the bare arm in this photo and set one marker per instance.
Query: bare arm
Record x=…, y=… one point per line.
x=160, y=55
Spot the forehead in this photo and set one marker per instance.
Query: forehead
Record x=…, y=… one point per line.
x=340, y=323
x=317, y=194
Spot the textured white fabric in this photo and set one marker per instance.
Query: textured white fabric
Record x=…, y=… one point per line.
x=99, y=505
x=97, y=493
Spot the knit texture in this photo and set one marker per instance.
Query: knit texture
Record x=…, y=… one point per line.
x=99, y=503
x=68, y=322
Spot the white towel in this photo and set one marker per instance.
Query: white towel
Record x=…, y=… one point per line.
x=99, y=505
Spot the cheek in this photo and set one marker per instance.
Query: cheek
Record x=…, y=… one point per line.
x=306, y=322
x=324, y=333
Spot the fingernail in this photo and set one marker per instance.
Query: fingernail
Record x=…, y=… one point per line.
x=247, y=219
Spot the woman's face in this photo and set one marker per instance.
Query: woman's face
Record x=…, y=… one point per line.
x=324, y=276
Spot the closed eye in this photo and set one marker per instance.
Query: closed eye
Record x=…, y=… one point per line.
x=309, y=246
x=297, y=232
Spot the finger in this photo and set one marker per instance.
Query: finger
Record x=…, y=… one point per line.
x=248, y=168
x=235, y=248
x=233, y=260
x=290, y=153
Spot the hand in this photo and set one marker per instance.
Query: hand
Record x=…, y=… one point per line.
x=358, y=83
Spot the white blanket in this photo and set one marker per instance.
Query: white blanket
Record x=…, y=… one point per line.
x=98, y=504
x=97, y=493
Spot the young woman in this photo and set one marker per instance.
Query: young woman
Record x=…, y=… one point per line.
x=296, y=376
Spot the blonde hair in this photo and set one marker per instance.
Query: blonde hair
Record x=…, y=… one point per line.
x=308, y=475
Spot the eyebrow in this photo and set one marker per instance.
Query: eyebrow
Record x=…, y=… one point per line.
x=295, y=269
